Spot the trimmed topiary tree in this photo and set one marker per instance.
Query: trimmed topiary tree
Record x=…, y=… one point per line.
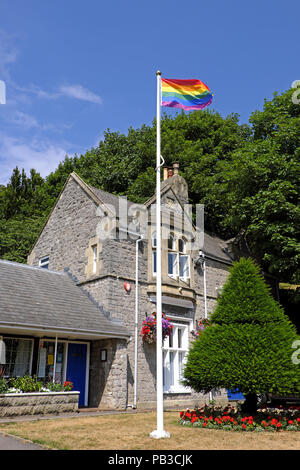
x=248, y=345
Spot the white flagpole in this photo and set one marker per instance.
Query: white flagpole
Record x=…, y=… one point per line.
x=159, y=432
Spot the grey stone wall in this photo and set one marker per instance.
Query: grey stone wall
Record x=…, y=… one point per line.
x=38, y=403
x=108, y=380
x=65, y=238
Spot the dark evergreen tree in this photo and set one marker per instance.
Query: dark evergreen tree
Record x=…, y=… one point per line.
x=248, y=345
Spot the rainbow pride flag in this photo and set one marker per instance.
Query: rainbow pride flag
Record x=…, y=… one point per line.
x=185, y=94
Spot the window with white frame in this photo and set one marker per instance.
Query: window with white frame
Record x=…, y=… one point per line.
x=154, y=254
x=175, y=350
x=172, y=257
x=44, y=262
x=95, y=258
x=184, y=260
x=18, y=356
x=178, y=259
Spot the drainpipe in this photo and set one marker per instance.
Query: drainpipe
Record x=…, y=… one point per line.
x=139, y=239
x=205, y=296
x=136, y=318
x=202, y=255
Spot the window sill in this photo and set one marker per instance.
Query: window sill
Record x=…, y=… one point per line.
x=177, y=391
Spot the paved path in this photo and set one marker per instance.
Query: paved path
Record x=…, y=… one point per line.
x=15, y=443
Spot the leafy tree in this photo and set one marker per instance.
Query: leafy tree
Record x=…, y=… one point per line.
x=249, y=343
x=256, y=190
x=247, y=177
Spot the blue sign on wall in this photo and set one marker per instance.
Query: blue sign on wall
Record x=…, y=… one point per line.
x=235, y=395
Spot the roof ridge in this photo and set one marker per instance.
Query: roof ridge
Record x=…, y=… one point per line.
x=110, y=194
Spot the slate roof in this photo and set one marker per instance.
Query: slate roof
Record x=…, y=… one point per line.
x=40, y=299
x=109, y=199
x=213, y=246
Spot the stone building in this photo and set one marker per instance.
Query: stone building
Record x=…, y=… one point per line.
x=108, y=269
x=107, y=246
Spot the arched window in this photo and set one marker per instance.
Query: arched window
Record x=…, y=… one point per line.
x=184, y=260
x=172, y=257
x=178, y=259
x=181, y=245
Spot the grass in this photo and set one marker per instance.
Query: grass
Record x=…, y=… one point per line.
x=131, y=432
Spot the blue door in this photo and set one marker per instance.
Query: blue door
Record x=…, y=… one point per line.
x=76, y=368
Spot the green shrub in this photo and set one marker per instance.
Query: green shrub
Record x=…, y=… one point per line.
x=54, y=387
x=26, y=384
x=248, y=345
x=3, y=386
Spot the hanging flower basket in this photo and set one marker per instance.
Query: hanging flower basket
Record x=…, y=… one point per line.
x=200, y=327
x=149, y=328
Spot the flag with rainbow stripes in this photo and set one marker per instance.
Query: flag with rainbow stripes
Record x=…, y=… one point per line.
x=185, y=94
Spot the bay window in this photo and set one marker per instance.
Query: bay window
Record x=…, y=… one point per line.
x=178, y=259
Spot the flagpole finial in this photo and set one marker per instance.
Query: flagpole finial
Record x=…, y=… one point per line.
x=158, y=73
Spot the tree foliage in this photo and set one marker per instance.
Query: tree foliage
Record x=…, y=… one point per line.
x=249, y=344
x=247, y=176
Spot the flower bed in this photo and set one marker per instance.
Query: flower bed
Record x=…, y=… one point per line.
x=27, y=396
x=28, y=384
x=231, y=419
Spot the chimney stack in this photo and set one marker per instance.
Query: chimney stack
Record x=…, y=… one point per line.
x=167, y=172
x=175, y=168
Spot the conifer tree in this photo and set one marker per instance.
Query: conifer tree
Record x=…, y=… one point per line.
x=248, y=344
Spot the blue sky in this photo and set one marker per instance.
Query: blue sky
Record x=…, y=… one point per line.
x=74, y=68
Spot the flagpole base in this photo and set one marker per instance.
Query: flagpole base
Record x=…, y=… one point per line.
x=160, y=434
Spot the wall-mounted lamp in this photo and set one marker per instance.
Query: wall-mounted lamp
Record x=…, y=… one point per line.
x=103, y=355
